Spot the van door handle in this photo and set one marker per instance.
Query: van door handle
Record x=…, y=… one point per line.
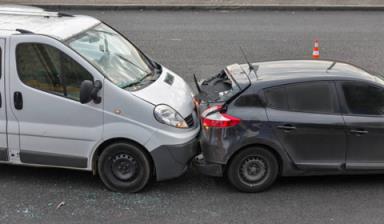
x=358, y=131
x=286, y=127
x=18, y=100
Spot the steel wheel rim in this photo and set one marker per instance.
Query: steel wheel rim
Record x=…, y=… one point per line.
x=124, y=167
x=253, y=169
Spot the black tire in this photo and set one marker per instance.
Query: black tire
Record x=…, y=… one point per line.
x=123, y=167
x=253, y=170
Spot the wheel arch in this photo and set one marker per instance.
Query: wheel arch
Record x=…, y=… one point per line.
x=96, y=154
x=275, y=152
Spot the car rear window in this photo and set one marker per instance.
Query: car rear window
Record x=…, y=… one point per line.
x=309, y=97
x=276, y=98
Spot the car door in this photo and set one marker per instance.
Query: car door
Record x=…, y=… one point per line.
x=363, y=105
x=54, y=127
x=3, y=117
x=305, y=119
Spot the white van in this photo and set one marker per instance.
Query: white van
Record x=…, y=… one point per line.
x=77, y=94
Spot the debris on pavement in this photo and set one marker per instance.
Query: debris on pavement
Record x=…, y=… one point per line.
x=61, y=204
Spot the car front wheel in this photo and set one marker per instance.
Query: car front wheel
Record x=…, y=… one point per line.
x=124, y=167
x=253, y=170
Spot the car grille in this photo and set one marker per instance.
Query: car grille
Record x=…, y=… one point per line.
x=190, y=121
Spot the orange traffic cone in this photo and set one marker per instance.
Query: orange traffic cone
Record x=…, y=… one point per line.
x=316, y=50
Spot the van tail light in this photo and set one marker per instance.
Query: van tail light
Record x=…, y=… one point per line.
x=215, y=117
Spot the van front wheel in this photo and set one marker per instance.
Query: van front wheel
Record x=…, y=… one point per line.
x=124, y=167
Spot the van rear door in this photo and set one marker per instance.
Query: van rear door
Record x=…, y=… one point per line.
x=3, y=118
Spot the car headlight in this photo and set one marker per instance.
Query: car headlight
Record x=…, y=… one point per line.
x=167, y=115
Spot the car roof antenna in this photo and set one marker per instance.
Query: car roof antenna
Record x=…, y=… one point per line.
x=251, y=67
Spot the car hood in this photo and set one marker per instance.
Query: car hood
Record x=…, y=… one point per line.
x=169, y=89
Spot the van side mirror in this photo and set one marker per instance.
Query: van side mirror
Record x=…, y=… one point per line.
x=89, y=90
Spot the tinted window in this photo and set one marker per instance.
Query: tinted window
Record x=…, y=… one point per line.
x=316, y=97
x=364, y=99
x=46, y=68
x=311, y=97
x=251, y=100
x=276, y=98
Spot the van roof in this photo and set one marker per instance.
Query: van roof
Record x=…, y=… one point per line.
x=15, y=18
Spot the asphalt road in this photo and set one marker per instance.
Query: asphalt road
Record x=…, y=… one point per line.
x=202, y=43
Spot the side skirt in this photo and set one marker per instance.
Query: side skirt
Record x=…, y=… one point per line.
x=51, y=159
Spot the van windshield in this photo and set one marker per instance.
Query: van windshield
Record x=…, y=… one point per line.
x=113, y=55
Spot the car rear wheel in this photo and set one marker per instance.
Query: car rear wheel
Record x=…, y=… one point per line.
x=124, y=167
x=253, y=170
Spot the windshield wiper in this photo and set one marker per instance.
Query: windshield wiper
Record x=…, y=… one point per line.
x=130, y=62
x=137, y=82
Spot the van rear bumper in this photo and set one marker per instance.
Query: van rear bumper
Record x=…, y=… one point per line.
x=172, y=161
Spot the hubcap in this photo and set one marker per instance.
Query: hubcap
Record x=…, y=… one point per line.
x=124, y=166
x=253, y=169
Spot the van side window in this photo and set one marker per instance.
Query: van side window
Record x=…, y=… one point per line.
x=308, y=97
x=363, y=99
x=48, y=69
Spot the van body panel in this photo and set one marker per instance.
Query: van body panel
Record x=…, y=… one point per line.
x=126, y=116
x=12, y=123
x=51, y=27
x=169, y=89
x=59, y=126
x=167, y=137
x=3, y=115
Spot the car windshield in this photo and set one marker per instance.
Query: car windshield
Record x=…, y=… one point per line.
x=113, y=55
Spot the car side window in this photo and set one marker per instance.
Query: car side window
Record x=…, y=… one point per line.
x=363, y=99
x=48, y=69
x=307, y=97
x=276, y=98
x=312, y=97
x=249, y=100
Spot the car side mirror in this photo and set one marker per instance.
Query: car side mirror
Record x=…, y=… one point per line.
x=89, y=90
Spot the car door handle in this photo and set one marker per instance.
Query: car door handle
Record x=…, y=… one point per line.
x=358, y=131
x=18, y=100
x=287, y=127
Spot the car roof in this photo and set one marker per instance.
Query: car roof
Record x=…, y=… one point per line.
x=288, y=71
x=15, y=19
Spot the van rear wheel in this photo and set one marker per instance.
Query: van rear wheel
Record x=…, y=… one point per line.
x=253, y=170
x=123, y=167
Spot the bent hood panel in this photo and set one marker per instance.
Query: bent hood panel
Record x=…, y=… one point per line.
x=174, y=92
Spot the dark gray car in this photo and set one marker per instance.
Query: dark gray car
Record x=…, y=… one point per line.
x=290, y=118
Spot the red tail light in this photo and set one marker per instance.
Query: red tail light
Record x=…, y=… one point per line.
x=212, y=117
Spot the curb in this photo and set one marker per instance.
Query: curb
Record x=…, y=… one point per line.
x=212, y=7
